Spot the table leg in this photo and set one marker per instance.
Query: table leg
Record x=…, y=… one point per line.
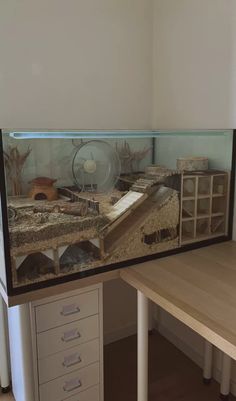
x=4, y=366
x=142, y=347
x=207, y=370
x=225, y=377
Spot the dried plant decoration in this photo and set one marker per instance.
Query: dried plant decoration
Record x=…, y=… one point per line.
x=14, y=162
x=130, y=160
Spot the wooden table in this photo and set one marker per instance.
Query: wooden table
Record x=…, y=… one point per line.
x=198, y=288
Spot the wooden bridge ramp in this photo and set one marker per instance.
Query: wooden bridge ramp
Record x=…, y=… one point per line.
x=132, y=216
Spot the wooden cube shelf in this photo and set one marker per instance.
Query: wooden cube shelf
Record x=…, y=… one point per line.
x=188, y=209
x=202, y=227
x=217, y=224
x=204, y=185
x=188, y=230
x=220, y=185
x=204, y=205
x=189, y=187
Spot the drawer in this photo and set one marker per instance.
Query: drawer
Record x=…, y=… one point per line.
x=71, y=384
x=92, y=394
x=66, y=310
x=67, y=336
x=67, y=361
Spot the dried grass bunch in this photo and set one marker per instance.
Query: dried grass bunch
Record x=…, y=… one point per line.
x=14, y=162
x=130, y=160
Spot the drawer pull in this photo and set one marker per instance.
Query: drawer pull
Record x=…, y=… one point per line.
x=72, y=385
x=71, y=360
x=70, y=335
x=68, y=310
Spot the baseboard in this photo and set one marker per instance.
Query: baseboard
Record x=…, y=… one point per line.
x=191, y=353
x=123, y=332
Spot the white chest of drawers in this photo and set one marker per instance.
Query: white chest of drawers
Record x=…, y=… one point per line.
x=57, y=347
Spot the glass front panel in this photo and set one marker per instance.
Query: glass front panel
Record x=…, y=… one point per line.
x=79, y=201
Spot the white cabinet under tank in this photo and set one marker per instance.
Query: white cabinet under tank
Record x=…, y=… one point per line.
x=56, y=347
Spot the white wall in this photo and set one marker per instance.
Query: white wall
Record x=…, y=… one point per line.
x=119, y=310
x=194, y=64
x=107, y=64
x=82, y=64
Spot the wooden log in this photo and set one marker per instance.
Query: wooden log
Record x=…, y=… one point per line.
x=78, y=209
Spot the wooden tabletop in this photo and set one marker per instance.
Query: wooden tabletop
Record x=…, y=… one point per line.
x=197, y=287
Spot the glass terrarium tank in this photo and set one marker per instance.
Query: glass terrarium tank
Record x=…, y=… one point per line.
x=73, y=202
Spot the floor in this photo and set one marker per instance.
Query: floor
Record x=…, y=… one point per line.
x=173, y=377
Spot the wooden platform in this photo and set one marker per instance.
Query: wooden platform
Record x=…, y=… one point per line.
x=196, y=287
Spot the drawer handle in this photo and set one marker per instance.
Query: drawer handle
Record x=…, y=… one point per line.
x=72, y=385
x=71, y=360
x=68, y=310
x=70, y=335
